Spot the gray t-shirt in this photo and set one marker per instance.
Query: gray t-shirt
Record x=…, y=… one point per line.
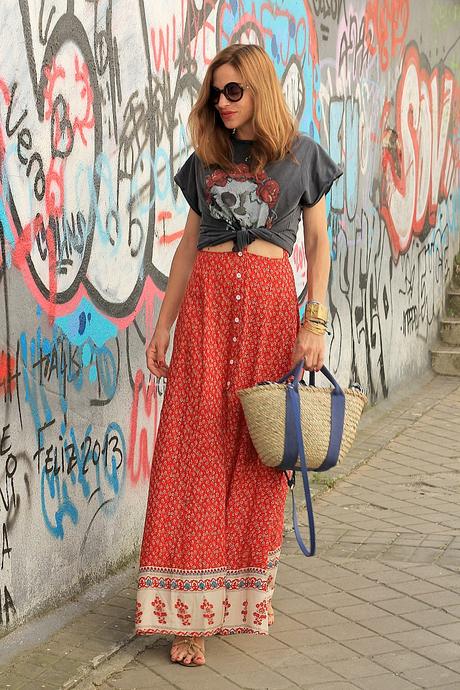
x=241, y=205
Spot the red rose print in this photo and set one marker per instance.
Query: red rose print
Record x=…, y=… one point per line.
x=269, y=192
x=217, y=178
x=241, y=173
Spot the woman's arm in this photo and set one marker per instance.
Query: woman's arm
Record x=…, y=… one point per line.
x=181, y=268
x=308, y=345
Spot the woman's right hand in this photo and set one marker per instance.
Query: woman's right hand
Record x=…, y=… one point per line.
x=156, y=353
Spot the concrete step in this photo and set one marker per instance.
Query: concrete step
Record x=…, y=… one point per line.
x=445, y=359
x=453, y=301
x=450, y=330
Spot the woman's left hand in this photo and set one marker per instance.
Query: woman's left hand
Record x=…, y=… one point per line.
x=311, y=348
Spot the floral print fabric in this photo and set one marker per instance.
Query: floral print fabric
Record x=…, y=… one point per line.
x=214, y=518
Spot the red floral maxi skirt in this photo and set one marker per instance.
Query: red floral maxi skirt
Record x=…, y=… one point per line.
x=214, y=519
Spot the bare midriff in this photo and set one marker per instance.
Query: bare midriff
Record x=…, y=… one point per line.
x=260, y=247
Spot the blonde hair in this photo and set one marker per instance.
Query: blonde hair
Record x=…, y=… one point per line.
x=274, y=127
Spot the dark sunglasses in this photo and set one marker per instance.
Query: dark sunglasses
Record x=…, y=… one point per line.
x=232, y=91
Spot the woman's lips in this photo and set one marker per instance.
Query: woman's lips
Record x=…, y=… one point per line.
x=226, y=116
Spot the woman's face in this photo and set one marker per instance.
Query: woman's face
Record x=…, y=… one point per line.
x=233, y=113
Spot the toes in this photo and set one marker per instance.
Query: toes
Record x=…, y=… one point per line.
x=186, y=654
x=179, y=649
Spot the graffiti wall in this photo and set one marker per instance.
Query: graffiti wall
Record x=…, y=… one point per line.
x=94, y=100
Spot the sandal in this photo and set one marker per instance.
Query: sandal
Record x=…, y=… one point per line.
x=190, y=648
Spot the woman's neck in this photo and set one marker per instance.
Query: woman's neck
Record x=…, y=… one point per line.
x=245, y=133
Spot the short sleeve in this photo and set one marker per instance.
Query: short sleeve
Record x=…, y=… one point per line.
x=319, y=172
x=186, y=179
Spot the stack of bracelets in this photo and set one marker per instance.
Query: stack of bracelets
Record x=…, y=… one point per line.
x=315, y=318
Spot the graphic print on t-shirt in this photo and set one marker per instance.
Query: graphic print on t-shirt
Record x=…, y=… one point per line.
x=243, y=196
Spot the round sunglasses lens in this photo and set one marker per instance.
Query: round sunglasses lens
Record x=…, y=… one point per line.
x=233, y=92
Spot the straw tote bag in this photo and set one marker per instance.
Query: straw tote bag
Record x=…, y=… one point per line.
x=299, y=427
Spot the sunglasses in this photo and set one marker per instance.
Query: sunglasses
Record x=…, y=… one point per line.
x=232, y=91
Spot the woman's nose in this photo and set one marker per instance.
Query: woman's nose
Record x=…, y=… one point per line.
x=222, y=95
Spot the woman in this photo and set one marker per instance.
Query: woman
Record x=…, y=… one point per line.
x=214, y=520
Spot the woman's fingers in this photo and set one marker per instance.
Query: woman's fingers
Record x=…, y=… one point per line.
x=159, y=370
x=309, y=363
x=297, y=355
x=156, y=362
x=310, y=348
x=157, y=365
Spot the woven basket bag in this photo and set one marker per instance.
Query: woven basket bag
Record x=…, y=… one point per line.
x=264, y=408
x=298, y=427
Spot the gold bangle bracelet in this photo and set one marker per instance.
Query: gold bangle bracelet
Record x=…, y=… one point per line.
x=315, y=326
x=318, y=321
x=308, y=319
x=312, y=328
x=316, y=310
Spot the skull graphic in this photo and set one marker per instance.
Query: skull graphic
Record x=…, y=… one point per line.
x=239, y=201
x=242, y=198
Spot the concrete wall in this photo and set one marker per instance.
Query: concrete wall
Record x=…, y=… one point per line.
x=94, y=99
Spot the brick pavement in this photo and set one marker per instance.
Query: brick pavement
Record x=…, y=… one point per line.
x=378, y=608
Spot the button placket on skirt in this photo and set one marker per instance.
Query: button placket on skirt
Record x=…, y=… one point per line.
x=237, y=297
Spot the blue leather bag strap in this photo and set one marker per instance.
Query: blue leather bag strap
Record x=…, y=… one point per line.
x=337, y=421
x=337, y=415
x=294, y=447
x=293, y=404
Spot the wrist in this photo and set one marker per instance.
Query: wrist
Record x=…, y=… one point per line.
x=162, y=325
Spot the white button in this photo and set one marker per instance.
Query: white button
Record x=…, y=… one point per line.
x=228, y=384
x=231, y=361
x=240, y=253
x=238, y=275
x=237, y=319
x=238, y=297
x=234, y=338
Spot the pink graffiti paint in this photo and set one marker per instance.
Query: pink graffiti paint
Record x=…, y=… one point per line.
x=139, y=455
x=418, y=158
x=66, y=123
x=190, y=29
x=300, y=262
x=86, y=95
x=54, y=188
x=7, y=370
x=386, y=23
x=52, y=73
x=171, y=237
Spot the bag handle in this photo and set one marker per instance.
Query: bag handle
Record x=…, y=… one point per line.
x=293, y=399
x=337, y=414
x=297, y=373
x=293, y=417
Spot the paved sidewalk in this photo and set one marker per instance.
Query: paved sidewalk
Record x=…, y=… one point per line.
x=377, y=609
